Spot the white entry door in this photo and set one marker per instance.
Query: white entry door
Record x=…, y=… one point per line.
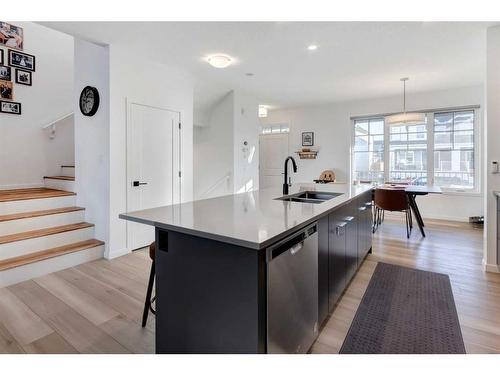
x=153, y=162
x=272, y=153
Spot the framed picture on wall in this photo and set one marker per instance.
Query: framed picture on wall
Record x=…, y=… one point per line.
x=5, y=73
x=6, y=90
x=10, y=107
x=21, y=60
x=11, y=36
x=23, y=77
x=308, y=139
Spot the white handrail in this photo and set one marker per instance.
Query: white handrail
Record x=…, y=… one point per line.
x=59, y=119
x=224, y=178
x=53, y=124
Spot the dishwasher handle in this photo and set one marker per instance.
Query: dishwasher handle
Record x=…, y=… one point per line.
x=294, y=243
x=296, y=248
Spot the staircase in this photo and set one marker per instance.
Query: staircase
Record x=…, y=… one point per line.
x=43, y=231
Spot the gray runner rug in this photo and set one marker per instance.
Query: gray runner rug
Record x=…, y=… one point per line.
x=405, y=311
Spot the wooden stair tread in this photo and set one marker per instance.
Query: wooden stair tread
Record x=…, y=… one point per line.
x=63, y=178
x=42, y=232
x=26, y=215
x=47, y=254
x=31, y=193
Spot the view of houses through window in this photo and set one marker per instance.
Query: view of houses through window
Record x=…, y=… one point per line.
x=439, y=151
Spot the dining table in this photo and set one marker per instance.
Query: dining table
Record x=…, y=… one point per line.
x=413, y=191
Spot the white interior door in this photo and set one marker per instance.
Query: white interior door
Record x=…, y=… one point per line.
x=153, y=161
x=272, y=154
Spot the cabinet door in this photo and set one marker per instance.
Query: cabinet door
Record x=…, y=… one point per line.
x=362, y=225
x=369, y=220
x=365, y=225
x=351, y=218
x=323, y=269
x=337, y=257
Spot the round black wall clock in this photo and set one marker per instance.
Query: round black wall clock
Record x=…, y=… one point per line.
x=89, y=101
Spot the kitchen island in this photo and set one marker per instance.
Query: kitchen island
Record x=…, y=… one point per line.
x=249, y=273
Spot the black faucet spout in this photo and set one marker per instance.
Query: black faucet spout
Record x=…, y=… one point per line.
x=286, y=184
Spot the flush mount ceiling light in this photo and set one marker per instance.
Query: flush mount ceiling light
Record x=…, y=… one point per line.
x=312, y=47
x=405, y=118
x=262, y=110
x=219, y=61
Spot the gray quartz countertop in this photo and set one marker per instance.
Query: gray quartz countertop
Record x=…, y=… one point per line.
x=254, y=219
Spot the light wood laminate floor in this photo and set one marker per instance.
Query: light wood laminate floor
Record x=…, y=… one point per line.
x=96, y=307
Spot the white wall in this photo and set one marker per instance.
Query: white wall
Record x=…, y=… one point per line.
x=219, y=148
x=213, y=151
x=492, y=151
x=332, y=128
x=156, y=85
x=246, y=157
x=26, y=152
x=92, y=138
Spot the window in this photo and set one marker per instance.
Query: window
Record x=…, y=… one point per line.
x=369, y=150
x=439, y=151
x=275, y=129
x=408, y=152
x=454, y=149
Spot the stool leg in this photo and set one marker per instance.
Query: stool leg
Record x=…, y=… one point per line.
x=147, y=303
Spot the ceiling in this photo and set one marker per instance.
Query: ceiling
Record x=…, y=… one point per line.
x=355, y=60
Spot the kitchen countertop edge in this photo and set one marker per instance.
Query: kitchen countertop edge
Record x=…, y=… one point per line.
x=237, y=241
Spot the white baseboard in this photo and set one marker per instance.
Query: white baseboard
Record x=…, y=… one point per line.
x=22, y=186
x=449, y=218
x=495, y=268
x=116, y=253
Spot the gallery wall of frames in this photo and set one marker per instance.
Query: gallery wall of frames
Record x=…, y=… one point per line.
x=16, y=67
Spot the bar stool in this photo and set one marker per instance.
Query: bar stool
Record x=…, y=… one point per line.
x=148, y=304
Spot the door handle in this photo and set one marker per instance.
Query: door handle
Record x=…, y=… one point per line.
x=340, y=229
x=137, y=183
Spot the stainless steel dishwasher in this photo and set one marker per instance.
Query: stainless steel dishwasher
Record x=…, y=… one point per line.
x=292, y=292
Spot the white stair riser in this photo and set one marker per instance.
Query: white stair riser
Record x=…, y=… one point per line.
x=43, y=267
x=28, y=205
x=66, y=171
x=17, y=248
x=41, y=222
x=60, y=184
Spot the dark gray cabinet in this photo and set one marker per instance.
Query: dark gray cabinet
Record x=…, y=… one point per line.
x=351, y=252
x=364, y=225
x=323, y=272
x=337, y=258
x=345, y=238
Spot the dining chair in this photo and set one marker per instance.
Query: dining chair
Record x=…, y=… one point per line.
x=387, y=199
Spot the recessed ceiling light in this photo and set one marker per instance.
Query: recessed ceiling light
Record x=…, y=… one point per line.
x=312, y=47
x=219, y=61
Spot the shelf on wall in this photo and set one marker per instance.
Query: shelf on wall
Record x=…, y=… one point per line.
x=307, y=154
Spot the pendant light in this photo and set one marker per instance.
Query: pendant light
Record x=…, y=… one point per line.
x=405, y=118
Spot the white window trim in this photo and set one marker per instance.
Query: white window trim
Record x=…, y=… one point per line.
x=284, y=128
x=476, y=191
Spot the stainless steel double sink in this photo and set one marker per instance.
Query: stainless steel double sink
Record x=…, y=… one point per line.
x=315, y=197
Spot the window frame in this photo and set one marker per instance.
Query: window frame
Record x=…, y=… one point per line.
x=353, y=140
x=477, y=128
x=267, y=129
